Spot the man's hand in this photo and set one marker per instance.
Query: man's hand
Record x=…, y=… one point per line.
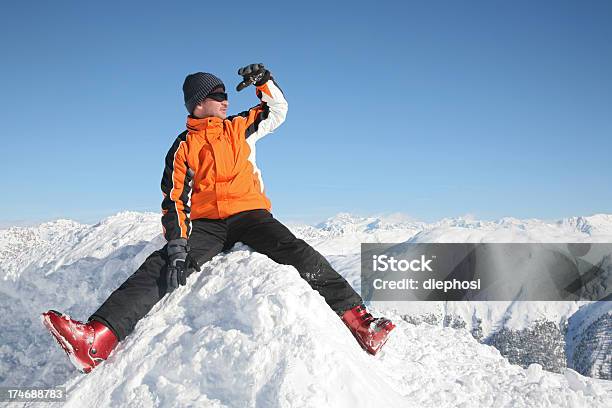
x=253, y=74
x=179, y=266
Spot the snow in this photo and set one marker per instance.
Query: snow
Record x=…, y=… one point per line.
x=53, y=244
x=589, y=338
x=249, y=332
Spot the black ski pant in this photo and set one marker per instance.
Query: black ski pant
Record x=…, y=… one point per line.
x=257, y=229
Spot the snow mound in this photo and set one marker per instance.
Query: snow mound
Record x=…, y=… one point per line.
x=247, y=332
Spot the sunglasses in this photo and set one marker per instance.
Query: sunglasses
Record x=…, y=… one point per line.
x=217, y=96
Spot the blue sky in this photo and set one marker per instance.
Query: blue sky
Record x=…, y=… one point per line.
x=432, y=109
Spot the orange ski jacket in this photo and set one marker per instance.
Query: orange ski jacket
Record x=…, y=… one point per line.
x=210, y=169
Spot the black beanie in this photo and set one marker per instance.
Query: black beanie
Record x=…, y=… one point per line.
x=197, y=87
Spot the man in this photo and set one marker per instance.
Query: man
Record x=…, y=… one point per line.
x=213, y=197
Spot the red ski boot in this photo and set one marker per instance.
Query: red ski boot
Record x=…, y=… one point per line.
x=87, y=344
x=371, y=333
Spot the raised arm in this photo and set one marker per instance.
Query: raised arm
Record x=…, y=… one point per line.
x=272, y=110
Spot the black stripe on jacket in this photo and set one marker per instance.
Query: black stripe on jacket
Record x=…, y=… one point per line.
x=170, y=217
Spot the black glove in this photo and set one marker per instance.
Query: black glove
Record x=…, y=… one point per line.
x=179, y=265
x=253, y=74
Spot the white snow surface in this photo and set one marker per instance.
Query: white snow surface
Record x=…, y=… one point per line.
x=247, y=332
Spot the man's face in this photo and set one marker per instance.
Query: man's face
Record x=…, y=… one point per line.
x=209, y=107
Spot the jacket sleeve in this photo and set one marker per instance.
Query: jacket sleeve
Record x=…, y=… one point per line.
x=176, y=188
x=265, y=117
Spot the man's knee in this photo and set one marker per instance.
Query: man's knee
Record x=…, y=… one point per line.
x=292, y=251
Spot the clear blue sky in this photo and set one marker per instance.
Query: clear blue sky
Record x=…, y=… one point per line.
x=433, y=109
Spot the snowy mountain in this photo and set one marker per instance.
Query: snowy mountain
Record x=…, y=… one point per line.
x=589, y=340
x=249, y=332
